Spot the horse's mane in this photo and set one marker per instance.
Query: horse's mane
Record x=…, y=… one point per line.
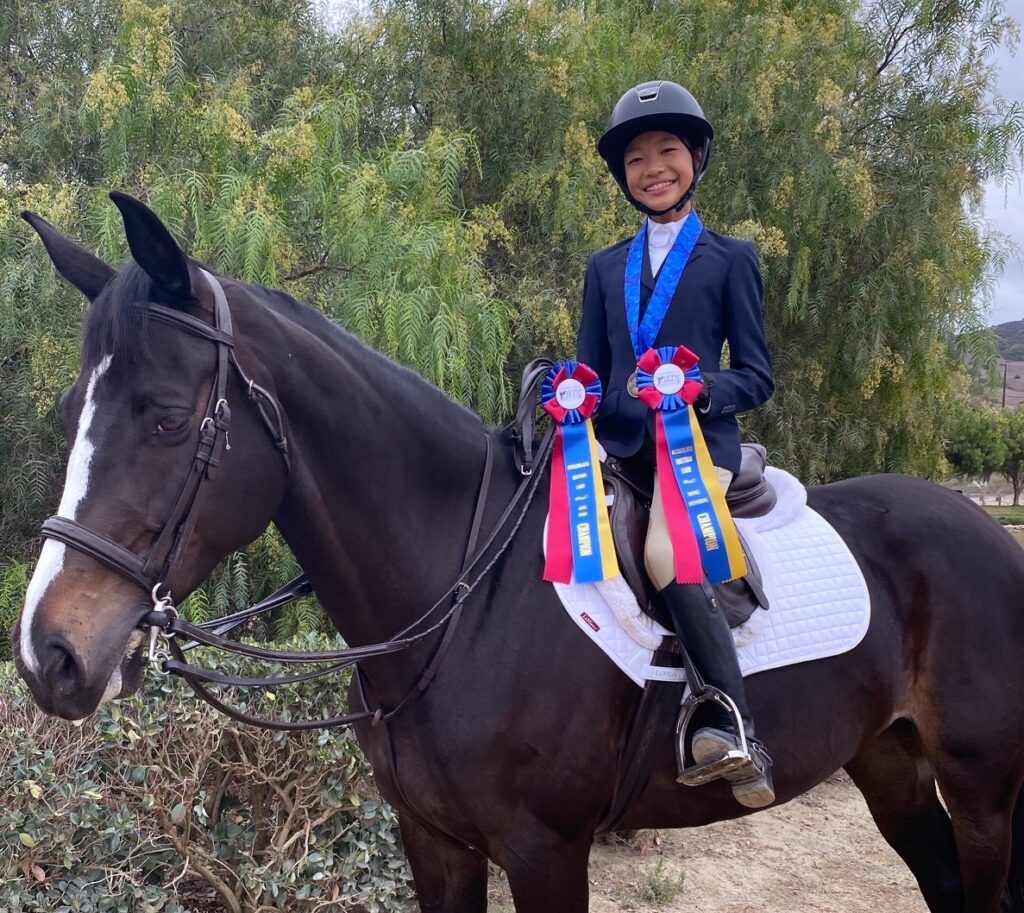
x=345, y=343
x=115, y=326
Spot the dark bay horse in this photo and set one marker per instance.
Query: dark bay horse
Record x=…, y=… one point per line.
x=512, y=754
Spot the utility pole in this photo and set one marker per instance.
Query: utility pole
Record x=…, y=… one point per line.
x=1015, y=377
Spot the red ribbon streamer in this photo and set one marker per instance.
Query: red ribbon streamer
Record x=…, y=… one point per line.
x=558, y=563
x=685, y=551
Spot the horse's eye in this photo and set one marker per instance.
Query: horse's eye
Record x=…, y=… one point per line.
x=171, y=424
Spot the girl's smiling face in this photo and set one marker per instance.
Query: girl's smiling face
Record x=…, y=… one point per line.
x=659, y=169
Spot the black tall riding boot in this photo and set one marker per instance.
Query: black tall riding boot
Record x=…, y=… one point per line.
x=705, y=634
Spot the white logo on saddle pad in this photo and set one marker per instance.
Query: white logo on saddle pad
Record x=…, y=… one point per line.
x=668, y=379
x=570, y=394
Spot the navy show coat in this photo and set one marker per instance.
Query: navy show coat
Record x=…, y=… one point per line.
x=718, y=299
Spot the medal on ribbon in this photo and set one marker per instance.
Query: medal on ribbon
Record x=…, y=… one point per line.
x=703, y=535
x=579, y=537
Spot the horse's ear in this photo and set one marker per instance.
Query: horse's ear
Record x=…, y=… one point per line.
x=153, y=247
x=87, y=273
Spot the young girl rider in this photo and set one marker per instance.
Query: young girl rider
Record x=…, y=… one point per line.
x=657, y=147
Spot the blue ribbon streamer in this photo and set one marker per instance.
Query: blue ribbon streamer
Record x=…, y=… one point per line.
x=683, y=456
x=644, y=334
x=579, y=479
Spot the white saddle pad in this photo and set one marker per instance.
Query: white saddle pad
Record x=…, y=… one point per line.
x=819, y=603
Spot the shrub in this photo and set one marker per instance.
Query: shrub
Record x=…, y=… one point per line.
x=159, y=803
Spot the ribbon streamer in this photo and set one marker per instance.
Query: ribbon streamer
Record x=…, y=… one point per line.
x=579, y=537
x=703, y=535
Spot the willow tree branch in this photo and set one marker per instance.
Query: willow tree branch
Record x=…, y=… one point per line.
x=321, y=267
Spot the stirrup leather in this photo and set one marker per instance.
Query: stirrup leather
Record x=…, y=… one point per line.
x=691, y=773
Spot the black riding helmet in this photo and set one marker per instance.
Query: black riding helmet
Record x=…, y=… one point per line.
x=658, y=105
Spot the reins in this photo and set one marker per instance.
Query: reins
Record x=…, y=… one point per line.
x=169, y=625
x=152, y=570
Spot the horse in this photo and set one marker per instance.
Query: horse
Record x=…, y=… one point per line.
x=512, y=755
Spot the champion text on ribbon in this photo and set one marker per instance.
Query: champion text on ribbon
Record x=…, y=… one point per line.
x=579, y=537
x=703, y=535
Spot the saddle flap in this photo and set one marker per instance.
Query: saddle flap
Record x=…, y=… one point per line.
x=629, y=515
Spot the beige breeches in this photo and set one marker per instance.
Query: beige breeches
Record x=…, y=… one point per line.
x=658, y=548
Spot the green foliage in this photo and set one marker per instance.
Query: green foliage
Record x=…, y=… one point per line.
x=245, y=578
x=1013, y=438
x=158, y=798
x=659, y=887
x=1007, y=516
x=847, y=151
x=982, y=440
x=975, y=446
x=14, y=578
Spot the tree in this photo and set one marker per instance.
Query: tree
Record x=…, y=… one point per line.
x=851, y=142
x=977, y=442
x=1013, y=463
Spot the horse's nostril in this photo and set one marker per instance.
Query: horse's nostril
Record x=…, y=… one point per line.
x=62, y=669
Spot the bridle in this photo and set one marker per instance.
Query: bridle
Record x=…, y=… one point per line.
x=152, y=570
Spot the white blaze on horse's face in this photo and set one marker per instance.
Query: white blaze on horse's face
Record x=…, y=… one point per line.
x=76, y=486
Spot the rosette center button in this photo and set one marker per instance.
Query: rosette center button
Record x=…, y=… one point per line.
x=570, y=394
x=668, y=379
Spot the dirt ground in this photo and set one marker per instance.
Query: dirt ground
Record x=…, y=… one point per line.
x=820, y=853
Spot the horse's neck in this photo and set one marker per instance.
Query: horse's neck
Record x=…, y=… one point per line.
x=386, y=470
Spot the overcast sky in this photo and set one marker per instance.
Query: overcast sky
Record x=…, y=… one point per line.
x=1004, y=206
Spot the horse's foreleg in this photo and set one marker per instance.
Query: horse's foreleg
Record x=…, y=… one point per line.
x=899, y=788
x=546, y=871
x=450, y=877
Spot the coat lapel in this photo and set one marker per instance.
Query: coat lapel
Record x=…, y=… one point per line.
x=647, y=278
x=698, y=247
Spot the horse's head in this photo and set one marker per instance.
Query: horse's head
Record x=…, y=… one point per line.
x=133, y=419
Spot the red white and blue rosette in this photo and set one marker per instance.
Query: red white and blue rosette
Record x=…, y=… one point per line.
x=701, y=529
x=579, y=538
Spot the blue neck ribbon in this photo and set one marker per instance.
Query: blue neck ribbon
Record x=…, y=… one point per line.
x=644, y=334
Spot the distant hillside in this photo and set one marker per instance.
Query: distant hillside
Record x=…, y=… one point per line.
x=1010, y=338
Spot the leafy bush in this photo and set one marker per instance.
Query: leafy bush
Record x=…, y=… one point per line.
x=14, y=578
x=159, y=803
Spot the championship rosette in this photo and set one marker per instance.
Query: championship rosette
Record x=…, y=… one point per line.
x=579, y=536
x=700, y=526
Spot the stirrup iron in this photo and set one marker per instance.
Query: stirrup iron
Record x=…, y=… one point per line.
x=691, y=773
